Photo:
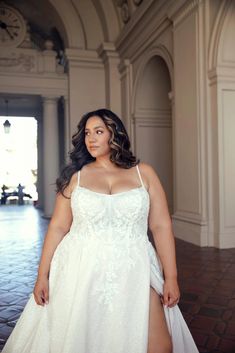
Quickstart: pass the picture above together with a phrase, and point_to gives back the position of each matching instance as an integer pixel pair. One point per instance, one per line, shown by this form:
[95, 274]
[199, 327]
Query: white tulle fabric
[100, 279]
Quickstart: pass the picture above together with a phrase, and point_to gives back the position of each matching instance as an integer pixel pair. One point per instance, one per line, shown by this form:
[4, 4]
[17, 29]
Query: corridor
[206, 278]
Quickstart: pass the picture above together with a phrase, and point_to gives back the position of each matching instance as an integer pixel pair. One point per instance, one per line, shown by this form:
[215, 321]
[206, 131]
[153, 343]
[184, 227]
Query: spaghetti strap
[140, 175]
[79, 172]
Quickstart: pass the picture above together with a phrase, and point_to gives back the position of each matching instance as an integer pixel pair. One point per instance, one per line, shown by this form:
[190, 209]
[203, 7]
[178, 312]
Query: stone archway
[153, 121]
[81, 68]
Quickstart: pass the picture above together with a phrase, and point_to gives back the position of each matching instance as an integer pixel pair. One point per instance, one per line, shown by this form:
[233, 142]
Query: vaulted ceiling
[70, 23]
[82, 24]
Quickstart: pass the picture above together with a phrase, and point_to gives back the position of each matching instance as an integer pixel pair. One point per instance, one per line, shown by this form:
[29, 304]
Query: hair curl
[119, 142]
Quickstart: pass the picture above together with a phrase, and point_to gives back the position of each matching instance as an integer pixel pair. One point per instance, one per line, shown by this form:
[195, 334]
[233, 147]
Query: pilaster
[50, 152]
[111, 61]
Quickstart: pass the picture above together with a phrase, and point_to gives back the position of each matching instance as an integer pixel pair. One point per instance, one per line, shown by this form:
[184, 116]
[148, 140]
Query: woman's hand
[171, 293]
[41, 291]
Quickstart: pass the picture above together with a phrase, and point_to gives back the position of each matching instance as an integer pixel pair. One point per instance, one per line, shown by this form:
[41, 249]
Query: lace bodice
[116, 217]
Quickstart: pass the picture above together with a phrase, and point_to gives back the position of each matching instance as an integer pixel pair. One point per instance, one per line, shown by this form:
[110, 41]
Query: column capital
[49, 98]
[107, 51]
[83, 58]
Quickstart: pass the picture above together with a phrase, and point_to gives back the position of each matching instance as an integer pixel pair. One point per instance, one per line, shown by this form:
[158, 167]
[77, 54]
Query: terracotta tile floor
[206, 278]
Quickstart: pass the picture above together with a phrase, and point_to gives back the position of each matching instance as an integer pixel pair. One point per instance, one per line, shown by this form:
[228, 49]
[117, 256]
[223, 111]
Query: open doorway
[18, 160]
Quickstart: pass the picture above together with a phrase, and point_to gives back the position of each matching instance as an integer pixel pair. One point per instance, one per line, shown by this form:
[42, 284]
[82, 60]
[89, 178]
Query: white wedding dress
[99, 283]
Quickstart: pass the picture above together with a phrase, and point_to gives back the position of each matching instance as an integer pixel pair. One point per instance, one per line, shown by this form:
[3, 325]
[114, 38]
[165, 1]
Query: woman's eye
[99, 131]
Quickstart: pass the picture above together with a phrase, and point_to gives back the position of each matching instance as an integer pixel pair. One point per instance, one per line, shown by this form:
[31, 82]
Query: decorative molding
[153, 118]
[20, 62]
[155, 123]
[152, 113]
[190, 231]
[216, 34]
[30, 61]
[222, 74]
[29, 83]
[148, 39]
[120, 2]
[108, 51]
[137, 2]
[125, 13]
[124, 10]
[136, 25]
[184, 11]
[83, 58]
[189, 217]
[49, 98]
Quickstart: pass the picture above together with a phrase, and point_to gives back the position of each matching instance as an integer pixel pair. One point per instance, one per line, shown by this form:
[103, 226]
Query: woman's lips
[93, 147]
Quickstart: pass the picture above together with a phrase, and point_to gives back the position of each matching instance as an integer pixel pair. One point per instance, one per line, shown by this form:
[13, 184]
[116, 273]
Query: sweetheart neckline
[116, 193]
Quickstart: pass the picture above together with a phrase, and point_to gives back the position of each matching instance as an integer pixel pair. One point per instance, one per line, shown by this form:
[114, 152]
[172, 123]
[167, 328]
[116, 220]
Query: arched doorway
[153, 122]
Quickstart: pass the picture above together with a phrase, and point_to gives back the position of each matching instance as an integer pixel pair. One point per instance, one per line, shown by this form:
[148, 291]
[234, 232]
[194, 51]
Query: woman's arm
[159, 222]
[59, 225]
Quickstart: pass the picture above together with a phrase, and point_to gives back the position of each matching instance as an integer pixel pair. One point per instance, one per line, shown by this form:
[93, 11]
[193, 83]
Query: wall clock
[12, 27]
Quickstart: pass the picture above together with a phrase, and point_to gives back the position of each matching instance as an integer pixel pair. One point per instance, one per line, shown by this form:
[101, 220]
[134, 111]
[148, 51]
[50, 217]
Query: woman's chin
[94, 153]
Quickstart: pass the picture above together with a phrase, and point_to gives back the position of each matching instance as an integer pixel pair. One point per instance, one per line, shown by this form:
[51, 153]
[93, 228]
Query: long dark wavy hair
[119, 142]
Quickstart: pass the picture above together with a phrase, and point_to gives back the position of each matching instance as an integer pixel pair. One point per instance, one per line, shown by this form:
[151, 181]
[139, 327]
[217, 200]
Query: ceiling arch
[109, 19]
[218, 30]
[72, 23]
[81, 24]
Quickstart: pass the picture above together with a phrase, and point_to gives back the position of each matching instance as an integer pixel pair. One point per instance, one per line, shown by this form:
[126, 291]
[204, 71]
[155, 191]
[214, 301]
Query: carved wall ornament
[120, 2]
[27, 62]
[20, 62]
[137, 2]
[125, 13]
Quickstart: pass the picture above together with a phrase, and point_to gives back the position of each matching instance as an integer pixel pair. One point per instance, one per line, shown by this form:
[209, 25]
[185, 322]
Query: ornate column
[40, 160]
[50, 152]
[67, 128]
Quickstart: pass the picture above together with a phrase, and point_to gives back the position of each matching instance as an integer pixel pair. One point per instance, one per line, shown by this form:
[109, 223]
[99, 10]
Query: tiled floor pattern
[206, 278]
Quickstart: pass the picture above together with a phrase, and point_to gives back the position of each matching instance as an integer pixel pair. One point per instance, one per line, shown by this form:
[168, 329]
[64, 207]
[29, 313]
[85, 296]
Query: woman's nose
[92, 137]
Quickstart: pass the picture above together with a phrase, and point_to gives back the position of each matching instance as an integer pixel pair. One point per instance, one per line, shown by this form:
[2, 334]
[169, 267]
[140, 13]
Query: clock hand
[13, 26]
[11, 36]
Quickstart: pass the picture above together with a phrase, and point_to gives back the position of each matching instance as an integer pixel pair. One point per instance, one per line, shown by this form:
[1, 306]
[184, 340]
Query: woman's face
[97, 136]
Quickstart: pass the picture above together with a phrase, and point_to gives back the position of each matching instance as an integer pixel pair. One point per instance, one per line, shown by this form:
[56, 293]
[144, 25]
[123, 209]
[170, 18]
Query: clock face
[12, 27]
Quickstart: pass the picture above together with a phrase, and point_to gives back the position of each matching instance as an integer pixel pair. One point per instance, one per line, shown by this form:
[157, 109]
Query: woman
[101, 287]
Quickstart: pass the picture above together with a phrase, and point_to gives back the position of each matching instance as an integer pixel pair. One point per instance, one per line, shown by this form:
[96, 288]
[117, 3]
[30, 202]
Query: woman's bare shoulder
[73, 180]
[147, 169]
[154, 183]
[71, 185]
[148, 174]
